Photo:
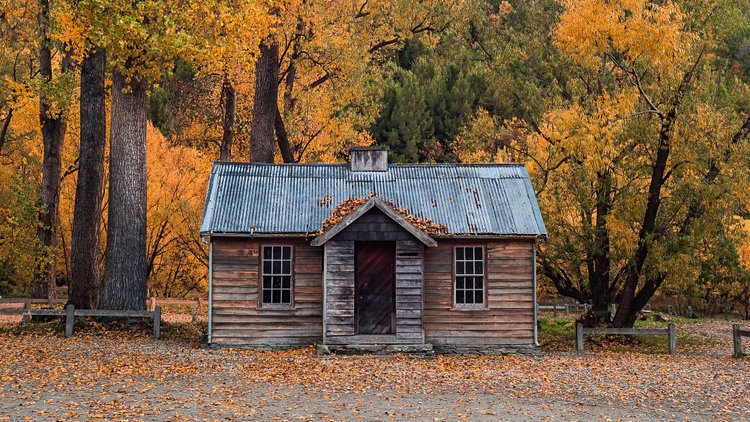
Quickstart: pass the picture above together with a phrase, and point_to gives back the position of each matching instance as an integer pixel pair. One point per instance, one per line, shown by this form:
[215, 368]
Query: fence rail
[70, 312]
[669, 331]
[737, 334]
[11, 305]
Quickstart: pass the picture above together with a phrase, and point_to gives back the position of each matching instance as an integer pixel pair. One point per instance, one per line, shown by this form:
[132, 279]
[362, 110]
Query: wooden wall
[339, 302]
[409, 273]
[508, 317]
[237, 317]
[424, 296]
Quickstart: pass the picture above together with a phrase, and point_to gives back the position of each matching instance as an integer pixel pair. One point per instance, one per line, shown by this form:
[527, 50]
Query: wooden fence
[669, 331]
[70, 312]
[10, 306]
[737, 334]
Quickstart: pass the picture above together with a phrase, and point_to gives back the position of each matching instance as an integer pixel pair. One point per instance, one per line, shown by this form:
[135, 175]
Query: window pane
[277, 267]
[286, 267]
[478, 296]
[266, 282]
[277, 282]
[266, 267]
[478, 254]
[479, 283]
[469, 297]
[285, 296]
[277, 252]
[266, 252]
[287, 252]
[469, 253]
[266, 296]
[459, 282]
[478, 267]
[286, 282]
[460, 296]
[460, 268]
[459, 253]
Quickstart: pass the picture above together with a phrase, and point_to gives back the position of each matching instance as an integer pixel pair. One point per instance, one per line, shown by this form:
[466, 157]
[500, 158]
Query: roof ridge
[237, 163]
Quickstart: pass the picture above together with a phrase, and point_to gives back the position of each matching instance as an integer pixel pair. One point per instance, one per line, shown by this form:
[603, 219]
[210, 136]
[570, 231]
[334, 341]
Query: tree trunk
[125, 261]
[265, 106]
[228, 98]
[84, 288]
[4, 128]
[598, 259]
[53, 133]
[283, 139]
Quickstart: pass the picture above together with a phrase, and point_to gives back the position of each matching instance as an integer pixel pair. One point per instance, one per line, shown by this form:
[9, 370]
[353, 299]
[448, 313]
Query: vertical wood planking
[339, 312]
[409, 291]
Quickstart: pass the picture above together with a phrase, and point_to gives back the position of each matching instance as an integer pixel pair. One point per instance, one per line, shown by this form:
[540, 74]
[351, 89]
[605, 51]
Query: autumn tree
[314, 74]
[84, 285]
[53, 108]
[630, 187]
[140, 39]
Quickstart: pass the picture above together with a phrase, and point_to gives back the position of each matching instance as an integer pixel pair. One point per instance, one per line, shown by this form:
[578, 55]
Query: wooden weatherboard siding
[237, 316]
[508, 315]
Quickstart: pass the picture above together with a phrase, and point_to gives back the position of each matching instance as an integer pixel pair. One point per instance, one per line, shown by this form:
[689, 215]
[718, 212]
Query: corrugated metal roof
[296, 198]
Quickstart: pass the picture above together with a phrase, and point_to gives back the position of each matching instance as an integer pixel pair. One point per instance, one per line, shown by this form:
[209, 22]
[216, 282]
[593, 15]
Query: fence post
[672, 339]
[737, 340]
[153, 303]
[70, 319]
[195, 313]
[579, 337]
[567, 309]
[690, 311]
[157, 322]
[26, 306]
[669, 310]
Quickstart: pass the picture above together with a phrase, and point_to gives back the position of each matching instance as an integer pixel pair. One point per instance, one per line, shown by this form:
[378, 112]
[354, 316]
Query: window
[277, 275]
[469, 275]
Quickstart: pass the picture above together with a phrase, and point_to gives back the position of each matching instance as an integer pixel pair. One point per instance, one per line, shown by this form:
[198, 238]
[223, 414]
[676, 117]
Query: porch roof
[371, 203]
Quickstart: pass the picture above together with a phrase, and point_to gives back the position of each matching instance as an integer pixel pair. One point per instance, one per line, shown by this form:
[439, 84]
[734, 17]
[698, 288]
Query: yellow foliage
[176, 180]
[640, 30]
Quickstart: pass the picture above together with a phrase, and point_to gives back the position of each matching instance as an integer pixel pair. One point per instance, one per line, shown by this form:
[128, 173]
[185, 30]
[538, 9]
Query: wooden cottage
[372, 255]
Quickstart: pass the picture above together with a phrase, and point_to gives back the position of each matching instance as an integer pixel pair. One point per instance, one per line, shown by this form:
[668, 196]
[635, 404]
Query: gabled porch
[373, 281]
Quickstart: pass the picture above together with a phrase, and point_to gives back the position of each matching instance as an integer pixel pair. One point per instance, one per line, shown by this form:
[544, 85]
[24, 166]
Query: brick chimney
[369, 158]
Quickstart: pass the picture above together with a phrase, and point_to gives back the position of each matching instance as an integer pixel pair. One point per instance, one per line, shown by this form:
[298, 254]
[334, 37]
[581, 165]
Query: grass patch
[559, 334]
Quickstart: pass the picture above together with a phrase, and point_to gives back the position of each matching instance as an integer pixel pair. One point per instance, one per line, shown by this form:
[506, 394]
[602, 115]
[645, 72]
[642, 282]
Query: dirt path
[44, 376]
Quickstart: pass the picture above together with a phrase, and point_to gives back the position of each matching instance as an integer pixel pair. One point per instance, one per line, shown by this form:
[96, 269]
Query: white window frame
[262, 271]
[483, 275]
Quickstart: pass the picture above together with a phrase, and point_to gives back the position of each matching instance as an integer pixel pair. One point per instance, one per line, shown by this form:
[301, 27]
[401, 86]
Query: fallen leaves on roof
[350, 205]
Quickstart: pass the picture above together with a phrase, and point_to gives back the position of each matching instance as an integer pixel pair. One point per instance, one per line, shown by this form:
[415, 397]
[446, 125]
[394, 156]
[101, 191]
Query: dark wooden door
[374, 266]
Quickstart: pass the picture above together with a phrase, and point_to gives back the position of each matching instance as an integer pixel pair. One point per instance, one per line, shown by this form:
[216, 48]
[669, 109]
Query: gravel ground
[127, 375]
